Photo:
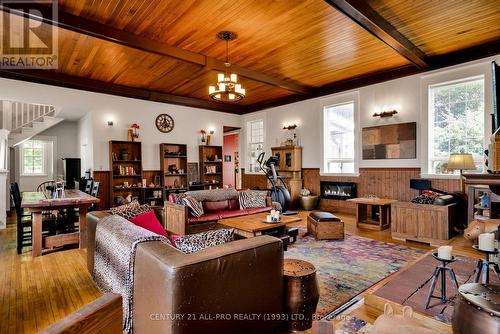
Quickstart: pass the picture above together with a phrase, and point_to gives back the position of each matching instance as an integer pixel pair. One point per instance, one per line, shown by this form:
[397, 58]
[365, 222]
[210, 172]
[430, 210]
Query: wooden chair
[88, 186]
[24, 220]
[103, 315]
[94, 192]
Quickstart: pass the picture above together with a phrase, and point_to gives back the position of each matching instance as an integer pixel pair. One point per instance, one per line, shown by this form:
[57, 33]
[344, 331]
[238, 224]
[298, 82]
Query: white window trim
[430, 137]
[49, 170]
[337, 100]
[248, 143]
[449, 76]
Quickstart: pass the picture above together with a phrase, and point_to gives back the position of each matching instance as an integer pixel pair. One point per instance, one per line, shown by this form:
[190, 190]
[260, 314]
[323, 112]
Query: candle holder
[441, 270]
[482, 270]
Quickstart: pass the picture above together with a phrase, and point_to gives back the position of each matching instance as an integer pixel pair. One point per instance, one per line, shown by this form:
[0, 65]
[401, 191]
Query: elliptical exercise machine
[279, 193]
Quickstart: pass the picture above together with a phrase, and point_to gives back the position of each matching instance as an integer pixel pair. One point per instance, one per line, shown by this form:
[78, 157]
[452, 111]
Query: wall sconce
[290, 127]
[383, 114]
[110, 123]
[212, 131]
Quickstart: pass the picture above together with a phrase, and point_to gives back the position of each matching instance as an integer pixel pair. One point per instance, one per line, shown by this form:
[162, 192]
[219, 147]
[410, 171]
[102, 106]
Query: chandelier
[227, 88]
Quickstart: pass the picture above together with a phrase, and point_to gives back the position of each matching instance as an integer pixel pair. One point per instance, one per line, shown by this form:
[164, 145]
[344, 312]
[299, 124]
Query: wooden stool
[301, 293]
[324, 225]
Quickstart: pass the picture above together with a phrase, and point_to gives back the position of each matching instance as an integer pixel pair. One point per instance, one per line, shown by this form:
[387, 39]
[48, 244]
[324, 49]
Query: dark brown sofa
[204, 292]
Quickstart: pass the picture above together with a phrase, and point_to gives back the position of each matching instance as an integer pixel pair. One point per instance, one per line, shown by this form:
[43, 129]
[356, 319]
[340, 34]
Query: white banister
[24, 114]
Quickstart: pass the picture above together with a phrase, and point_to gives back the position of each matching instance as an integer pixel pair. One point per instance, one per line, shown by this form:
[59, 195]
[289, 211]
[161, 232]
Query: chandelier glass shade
[227, 88]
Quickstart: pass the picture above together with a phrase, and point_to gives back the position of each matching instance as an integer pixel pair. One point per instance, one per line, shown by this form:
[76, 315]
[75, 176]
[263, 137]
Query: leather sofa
[229, 288]
[217, 204]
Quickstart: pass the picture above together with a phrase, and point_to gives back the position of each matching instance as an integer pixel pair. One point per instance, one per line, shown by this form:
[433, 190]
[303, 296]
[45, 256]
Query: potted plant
[307, 201]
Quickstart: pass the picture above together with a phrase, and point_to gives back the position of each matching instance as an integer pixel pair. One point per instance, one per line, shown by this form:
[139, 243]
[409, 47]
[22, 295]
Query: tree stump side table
[301, 293]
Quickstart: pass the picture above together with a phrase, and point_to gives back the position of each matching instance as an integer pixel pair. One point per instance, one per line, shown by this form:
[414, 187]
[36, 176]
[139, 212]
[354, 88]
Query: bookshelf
[125, 160]
[173, 168]
[211, 166]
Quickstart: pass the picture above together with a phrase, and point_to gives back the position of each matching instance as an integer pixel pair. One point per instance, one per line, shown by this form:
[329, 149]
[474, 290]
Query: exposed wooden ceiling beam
[94, 29]
[68, 81]
[361, 13]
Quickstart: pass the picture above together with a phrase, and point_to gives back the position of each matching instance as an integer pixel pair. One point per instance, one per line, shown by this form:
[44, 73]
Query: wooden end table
[363, 220]
[253, 225]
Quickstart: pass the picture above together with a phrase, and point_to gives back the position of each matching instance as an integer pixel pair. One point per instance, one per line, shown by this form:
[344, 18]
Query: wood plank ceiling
[286, 51]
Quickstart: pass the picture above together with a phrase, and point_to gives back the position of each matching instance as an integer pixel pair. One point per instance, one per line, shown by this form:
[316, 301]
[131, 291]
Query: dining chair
[24, 220]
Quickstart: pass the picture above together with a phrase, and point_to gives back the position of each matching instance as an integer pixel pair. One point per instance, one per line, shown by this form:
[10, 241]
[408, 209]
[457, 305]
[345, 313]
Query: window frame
[343, 99]
[250, 143]
[45, 158]
[430, 158]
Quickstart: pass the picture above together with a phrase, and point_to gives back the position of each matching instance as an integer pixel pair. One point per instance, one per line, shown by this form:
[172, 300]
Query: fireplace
[338, 190]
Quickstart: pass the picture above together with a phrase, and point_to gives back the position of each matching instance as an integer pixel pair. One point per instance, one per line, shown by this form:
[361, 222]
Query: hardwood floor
[36, 292]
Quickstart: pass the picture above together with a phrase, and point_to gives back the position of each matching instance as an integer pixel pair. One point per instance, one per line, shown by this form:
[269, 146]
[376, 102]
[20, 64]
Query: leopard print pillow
[117, 210]
[197, 242]
[134, 212]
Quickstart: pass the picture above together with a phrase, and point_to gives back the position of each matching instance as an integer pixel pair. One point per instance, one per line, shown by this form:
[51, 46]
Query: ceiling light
[227, 88]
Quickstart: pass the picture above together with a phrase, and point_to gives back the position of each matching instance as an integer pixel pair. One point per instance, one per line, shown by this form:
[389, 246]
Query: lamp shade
[462, 161]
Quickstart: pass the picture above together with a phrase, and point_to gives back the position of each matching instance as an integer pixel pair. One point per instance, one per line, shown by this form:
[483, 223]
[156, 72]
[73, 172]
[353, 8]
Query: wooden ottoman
[324, 225]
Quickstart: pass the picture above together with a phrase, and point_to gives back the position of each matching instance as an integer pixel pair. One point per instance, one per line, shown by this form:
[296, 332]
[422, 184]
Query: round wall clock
[164, 123]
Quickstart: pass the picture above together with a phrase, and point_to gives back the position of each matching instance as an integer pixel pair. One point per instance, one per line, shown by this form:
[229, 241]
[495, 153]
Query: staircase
[25, 120]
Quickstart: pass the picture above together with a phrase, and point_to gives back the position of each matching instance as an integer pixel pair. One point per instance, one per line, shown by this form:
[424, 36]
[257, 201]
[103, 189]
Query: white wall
[66, 145]
[409, 94]
[93, 132]
[124, 112]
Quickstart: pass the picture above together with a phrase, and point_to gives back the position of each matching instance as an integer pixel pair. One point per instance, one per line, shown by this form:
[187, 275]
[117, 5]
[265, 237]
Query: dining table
[37, 202]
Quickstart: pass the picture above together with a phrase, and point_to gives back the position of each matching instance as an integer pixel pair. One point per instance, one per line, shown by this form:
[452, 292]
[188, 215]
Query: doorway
[231, 157]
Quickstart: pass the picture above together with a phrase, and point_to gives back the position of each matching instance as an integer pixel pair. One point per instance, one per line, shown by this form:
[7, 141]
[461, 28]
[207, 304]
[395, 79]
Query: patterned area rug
[346, 268]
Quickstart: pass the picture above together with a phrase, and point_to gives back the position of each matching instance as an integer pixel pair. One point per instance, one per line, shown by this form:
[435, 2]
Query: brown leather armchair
[231, 288]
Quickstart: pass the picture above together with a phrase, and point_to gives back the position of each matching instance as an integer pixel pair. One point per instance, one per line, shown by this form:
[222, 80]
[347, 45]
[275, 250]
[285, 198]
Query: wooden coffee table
[253, 225]
[363, 219]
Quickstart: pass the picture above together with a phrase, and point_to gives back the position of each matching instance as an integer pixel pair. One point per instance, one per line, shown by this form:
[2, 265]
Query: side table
[301, 293]
[363, 220]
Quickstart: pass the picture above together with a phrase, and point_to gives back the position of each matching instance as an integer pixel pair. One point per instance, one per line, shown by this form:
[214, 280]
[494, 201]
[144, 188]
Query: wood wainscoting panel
[253, 181]
[393, 183]
[103, 176]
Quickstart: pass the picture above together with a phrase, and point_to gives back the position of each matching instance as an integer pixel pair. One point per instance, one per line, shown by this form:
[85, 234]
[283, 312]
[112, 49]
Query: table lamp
[461, 162]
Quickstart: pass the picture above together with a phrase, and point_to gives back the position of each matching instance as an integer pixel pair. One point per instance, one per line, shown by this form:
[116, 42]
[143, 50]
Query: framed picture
[227, 158]
[394, 141]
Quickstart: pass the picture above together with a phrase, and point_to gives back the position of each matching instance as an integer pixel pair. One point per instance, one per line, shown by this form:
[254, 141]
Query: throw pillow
[195, 207]
[134, 212]
[124, 207]
[252, 199]
[196, 242]
[149, 222]
[423, 199]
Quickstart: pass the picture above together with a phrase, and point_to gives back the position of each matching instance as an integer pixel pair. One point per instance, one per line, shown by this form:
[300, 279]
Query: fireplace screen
[338, 190]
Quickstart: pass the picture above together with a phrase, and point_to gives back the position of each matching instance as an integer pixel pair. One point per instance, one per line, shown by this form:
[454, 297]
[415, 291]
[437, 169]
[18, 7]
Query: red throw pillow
[149, 222]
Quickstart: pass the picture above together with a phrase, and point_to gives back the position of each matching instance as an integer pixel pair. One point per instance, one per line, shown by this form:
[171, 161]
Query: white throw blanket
[116, 242]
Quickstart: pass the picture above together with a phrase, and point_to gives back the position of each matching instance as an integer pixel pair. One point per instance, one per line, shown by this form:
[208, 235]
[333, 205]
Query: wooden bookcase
[125, 161]
[173, 168]
[211, 166]
[290, 166]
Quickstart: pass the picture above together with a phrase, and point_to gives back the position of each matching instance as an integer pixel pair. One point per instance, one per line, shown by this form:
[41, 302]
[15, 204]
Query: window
[33, 157]
[456, 123]
[339, 147]
[256, 143]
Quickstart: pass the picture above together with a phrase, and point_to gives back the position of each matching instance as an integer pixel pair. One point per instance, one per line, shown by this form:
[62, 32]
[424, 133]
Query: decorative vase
[130, 135]
[208, 139]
